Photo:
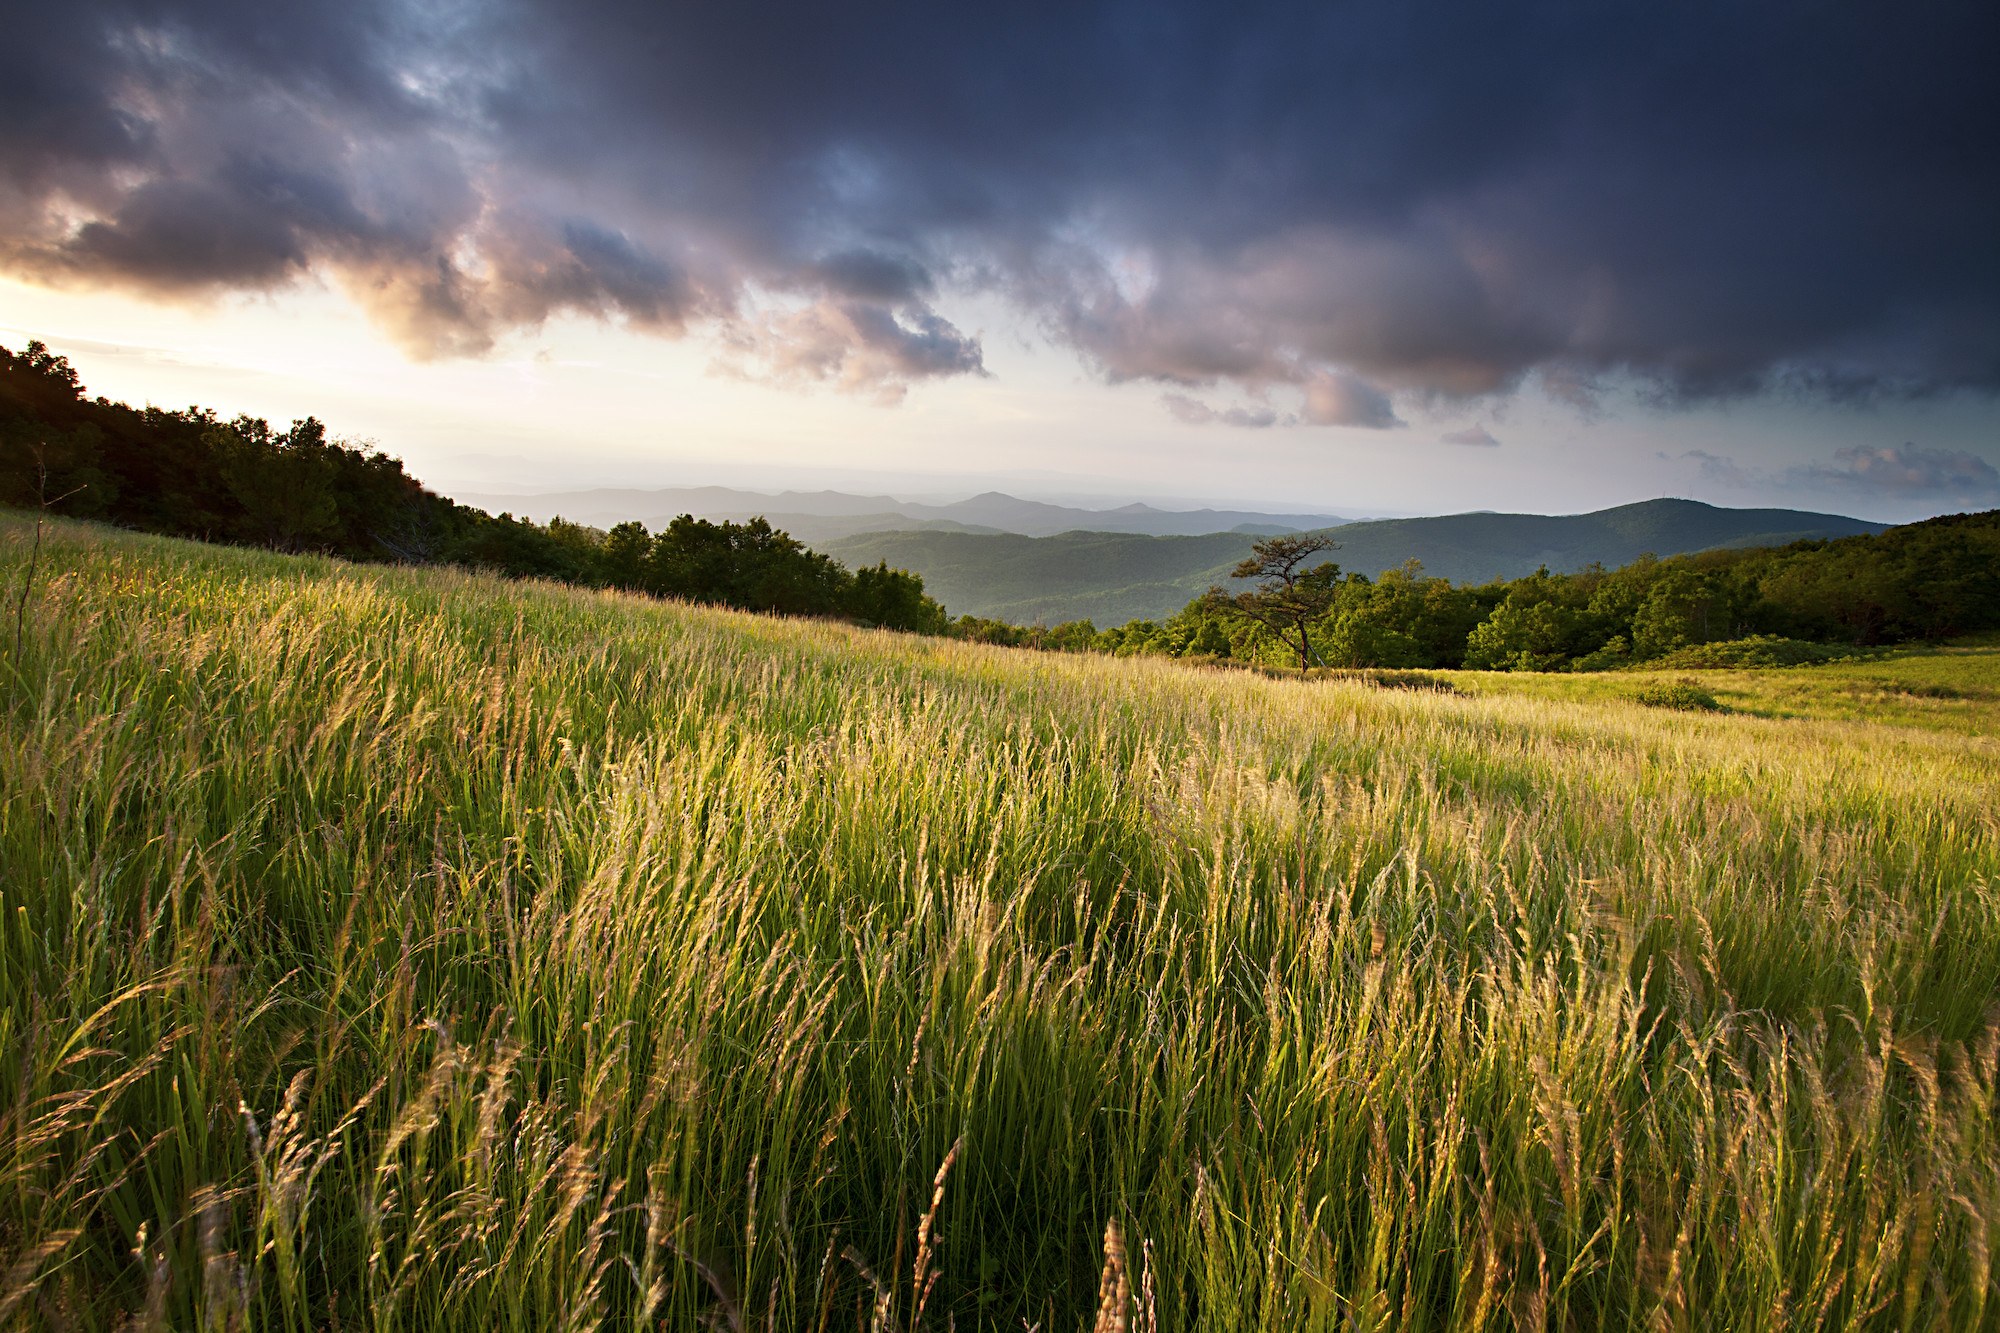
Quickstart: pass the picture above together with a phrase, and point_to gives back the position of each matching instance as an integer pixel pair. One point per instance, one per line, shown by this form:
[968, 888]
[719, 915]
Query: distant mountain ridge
[1115, 577]
[817, 517]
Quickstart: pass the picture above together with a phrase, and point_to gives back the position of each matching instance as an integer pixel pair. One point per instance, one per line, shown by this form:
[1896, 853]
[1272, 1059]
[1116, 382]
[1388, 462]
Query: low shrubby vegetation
[404, 948]
[1689, 695]
[1400, 680]
[1757, 650]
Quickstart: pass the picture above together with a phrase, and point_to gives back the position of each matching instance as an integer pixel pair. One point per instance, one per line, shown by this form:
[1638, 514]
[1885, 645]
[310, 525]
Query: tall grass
[401, 950]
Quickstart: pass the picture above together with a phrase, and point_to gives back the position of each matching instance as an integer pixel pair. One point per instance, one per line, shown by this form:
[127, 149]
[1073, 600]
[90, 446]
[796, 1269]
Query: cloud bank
[1335, 209]
[1893, 472]
[1908, 470]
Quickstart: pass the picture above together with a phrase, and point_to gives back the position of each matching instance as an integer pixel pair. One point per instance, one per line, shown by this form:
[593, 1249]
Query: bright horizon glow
[578, 404]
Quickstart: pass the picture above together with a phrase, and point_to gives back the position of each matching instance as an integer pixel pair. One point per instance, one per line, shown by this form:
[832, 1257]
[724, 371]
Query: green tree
[1534, 628]
[748, 565]
[281, 481]
[1071, 636]
[58, 463]
[623, 556]
[1291, 593]
[980, 629]
[1683, 607]
[1357, 638]
[893, 599]
[582, 544]
[38, 359]
[1197, 630]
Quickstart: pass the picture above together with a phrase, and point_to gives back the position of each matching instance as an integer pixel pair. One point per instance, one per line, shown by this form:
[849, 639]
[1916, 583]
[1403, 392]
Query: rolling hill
[817, 517]
[1114, 577]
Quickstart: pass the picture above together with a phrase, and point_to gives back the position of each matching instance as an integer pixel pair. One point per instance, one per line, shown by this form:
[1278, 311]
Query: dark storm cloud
[875, 277]
[1335, 208]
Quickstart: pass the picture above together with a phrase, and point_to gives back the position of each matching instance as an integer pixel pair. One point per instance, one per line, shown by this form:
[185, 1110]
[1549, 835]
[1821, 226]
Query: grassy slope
[572, 958]
[1953, 688]
[1115, 577]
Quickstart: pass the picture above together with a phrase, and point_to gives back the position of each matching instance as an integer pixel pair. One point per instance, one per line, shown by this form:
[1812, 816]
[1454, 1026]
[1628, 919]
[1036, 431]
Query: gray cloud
[1721, 468]
[874, 276]
[1358, 204]
[1197, 413]
[855, 346]
[1327, 398]
[1337, 398]
[1904, 471]
[1908, 470]
[1475, 434]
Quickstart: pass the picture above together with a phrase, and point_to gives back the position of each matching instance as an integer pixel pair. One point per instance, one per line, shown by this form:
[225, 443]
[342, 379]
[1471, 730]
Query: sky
[1396, 256]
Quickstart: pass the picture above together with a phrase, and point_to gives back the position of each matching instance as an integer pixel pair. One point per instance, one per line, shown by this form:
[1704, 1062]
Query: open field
[1952, 688]
[396, 949]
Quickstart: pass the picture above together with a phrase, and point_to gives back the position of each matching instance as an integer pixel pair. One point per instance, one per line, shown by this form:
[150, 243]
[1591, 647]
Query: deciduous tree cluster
[1923, 581]
[192, 474]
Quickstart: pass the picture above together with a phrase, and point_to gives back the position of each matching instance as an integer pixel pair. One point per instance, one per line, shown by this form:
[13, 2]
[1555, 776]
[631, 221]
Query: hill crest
[1112, 577]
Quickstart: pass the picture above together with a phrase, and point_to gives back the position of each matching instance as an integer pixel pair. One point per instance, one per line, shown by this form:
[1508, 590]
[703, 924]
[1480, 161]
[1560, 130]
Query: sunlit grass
[406, 949]
[1952, 688]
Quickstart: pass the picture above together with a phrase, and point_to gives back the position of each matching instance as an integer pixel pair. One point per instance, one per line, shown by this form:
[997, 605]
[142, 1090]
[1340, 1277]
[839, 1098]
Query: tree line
[193, 474]
[1750, 607]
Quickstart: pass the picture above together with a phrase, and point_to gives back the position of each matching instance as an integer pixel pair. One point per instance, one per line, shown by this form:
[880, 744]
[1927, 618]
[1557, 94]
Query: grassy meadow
[390, 949]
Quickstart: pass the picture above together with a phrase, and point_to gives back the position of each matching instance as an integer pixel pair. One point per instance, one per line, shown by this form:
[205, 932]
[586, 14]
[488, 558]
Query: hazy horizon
[1108, 501]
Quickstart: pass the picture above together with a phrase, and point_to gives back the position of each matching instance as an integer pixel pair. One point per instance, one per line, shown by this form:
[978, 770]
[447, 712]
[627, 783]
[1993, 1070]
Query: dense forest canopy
[191, 473]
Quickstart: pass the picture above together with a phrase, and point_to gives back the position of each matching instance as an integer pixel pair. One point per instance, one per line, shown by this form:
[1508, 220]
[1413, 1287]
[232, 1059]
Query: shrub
[1616, 653]
[1398, 680]
[1759, 650]
[1932, 691]
[1687, 694]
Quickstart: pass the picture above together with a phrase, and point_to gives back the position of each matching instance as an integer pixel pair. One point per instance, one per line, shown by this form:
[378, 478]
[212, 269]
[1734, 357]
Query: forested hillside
[192, 474]
[821, 516]
[1114, 577]
[1731, 606]
[1107, 577]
